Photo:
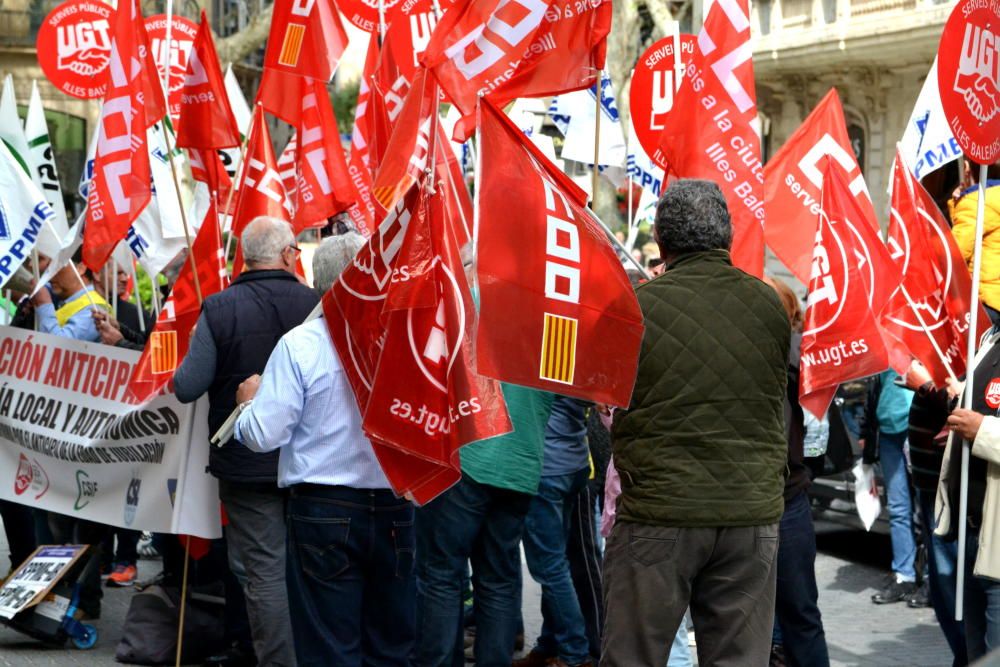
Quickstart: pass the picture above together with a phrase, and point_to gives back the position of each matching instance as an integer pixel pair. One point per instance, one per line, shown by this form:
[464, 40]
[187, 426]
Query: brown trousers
[652, 574]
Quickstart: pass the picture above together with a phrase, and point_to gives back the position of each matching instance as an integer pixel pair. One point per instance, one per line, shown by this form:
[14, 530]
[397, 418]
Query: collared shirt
[80, 325]
[305, 407]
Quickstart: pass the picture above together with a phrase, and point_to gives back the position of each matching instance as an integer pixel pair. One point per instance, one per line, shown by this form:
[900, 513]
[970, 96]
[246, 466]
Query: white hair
[264, 239]
[332, 256]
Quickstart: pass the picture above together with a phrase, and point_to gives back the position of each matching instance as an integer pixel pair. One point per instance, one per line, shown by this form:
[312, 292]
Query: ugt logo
[978, 75]
[84, 48]
[85, 490]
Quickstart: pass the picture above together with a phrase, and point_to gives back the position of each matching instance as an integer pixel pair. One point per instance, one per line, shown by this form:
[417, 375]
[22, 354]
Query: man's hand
[916, 376]
[107, 327]
[41, 297]
[955, 387]
[248, 389]
[965, 423]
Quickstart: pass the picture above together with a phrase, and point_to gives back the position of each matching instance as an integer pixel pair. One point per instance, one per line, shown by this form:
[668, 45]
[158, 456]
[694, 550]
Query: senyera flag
[841, 340]
[793, 184]
[397, 352]
[553, 292]
[133, 102]
[206, 119]
[516, 48]
[712, 131]
[306, 42]
[168, 343]
[934, 295]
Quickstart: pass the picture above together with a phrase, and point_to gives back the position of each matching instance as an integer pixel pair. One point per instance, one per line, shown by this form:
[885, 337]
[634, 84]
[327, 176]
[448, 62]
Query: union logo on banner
[74, 47]
[176, 53]
[993, 393]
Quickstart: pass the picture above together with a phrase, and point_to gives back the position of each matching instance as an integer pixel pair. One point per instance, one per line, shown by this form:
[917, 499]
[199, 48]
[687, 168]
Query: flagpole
[970, 365]
[597, 140]
[927, 331]
[34, 269]
[236, 182]
[184, 222]
[138, 298]
[381, 22]
[477, 183]
[184, 587]
[618, 244]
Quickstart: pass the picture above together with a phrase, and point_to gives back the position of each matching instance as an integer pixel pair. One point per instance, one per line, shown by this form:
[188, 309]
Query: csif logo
[86, 490]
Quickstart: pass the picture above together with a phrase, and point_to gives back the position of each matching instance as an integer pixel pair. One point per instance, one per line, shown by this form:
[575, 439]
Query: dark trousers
[652, 574]
[70, 530]
[483, 524]
[942, 561]
[19, 526]
[981, 604]
[796, 593]
[126, 552]
[585, 565]
[351, 587]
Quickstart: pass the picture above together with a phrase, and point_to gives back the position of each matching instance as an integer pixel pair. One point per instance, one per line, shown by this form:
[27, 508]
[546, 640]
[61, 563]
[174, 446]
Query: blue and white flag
[581, 107]
[24, 214]
[928, 143]
[642, 170]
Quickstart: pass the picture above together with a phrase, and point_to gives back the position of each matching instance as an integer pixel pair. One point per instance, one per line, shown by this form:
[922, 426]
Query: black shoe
[896, 591]
[920, 598]
[234, 657]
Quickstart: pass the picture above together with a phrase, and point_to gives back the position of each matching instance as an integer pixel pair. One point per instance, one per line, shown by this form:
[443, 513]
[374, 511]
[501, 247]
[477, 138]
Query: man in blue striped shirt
[351, 588]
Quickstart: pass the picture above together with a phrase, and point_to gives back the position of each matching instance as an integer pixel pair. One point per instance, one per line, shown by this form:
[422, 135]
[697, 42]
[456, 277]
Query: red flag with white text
[207, 167]
[133, 102]
[168, 342]
[553, 292]
[935, 287]
[306, 43]
[793, 184]
[712, 132]
[260, 191]
[841, 338]
[206, 119]
[516, 48]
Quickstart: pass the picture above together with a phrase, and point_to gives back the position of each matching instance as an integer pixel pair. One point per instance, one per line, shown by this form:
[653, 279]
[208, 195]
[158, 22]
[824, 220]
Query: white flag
[11, 130]
[43, 162]
[581, 106]
[24, 214]
[644, 172]
[164, 191]
[928, 143]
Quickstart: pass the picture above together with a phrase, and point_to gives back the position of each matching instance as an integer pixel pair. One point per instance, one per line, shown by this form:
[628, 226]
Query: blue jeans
[982, 605]
[680, 650]
[897, 491]
[796, 609]
[351, 588]
[483, 524]
[546, 531]
[941, 574]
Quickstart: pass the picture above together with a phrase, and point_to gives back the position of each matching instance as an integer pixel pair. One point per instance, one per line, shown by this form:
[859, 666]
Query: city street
[850, 567]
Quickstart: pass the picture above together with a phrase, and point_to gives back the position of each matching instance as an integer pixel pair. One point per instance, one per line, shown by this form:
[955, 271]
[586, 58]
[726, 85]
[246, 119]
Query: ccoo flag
[552, 290]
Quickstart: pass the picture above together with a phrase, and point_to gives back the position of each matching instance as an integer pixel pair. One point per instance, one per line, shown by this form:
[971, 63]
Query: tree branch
[241, 44]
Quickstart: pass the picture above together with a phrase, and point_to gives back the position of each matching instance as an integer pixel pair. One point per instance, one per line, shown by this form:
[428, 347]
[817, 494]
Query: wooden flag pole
[970, 366]
[184, 588]
[236, 182]
[184, 222]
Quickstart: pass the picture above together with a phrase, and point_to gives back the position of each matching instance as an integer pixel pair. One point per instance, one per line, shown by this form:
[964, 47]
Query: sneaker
[920, 598]
[533, 659]
[896, 591]
[122, 576]
[145, 548]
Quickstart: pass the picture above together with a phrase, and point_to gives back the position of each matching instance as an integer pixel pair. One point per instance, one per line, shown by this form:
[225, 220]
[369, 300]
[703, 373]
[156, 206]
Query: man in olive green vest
[701, 451]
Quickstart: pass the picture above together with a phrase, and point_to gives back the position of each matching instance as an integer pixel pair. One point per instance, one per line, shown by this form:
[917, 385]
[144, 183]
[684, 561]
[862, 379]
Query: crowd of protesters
[703, 482]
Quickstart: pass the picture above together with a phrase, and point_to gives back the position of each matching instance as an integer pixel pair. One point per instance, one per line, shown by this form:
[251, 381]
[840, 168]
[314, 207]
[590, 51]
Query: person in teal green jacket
[481, 520]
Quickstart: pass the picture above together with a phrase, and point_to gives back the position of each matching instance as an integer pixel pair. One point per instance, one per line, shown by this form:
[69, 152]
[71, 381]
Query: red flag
[207, 167]
[169, 340]
[409, 148]
[260, 190]
[133, 102]
[516, 48]
[793, 184]
[713, 131]
[935, 278]
[306, 43]
[206, 119]
[286, 170]
[841, 340]
[358, 164]
[323, 185]
[451, 180]
[553, 291]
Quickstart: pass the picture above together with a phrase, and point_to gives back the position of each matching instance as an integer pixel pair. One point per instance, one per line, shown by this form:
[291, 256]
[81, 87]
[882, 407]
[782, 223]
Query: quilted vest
[247, 319]
[703, 442]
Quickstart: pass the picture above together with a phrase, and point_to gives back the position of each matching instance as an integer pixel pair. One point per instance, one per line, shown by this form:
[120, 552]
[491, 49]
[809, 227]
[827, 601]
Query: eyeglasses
[297, 250]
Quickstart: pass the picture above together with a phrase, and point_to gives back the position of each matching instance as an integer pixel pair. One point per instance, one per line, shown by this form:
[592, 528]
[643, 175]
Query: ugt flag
[553, 292]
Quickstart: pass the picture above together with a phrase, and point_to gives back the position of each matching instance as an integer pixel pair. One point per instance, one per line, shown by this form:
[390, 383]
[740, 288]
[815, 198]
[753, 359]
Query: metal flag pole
[970, 373]
[138, 298]
[477, 186]
[597, 140]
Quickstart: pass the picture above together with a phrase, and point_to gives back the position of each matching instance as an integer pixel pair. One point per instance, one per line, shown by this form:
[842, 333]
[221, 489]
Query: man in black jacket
[235, 335]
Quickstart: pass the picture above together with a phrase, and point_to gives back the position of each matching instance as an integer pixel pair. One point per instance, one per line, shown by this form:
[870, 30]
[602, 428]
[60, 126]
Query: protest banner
[36, 577]
[74, 47]
[72, 443]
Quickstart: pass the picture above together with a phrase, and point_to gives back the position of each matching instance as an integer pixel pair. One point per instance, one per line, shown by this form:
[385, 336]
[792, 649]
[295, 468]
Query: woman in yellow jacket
[962, 209]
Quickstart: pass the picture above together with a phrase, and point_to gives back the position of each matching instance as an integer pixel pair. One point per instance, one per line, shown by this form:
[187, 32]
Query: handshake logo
[84, 48]
[978, 76]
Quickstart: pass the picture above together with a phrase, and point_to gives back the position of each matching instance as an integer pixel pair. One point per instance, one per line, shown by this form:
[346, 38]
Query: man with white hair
[236, 333]
[351, 585]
